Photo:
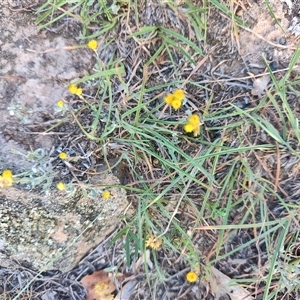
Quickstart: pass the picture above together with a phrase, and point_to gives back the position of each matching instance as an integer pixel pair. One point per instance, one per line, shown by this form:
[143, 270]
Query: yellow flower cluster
[93, 44]
[191, 276]
[154, 242]
[193, 125]
[74, 90]
[175, 99]
[6, 179]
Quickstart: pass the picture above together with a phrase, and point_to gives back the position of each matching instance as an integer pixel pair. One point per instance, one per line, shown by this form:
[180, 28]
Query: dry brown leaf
[220, 286]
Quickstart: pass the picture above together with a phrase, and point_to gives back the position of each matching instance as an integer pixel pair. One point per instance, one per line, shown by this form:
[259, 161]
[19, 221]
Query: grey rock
[54, 231]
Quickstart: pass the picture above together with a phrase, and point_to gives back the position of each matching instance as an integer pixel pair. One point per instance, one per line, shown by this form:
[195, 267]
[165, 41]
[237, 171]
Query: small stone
[269, 56]
[274, 65]
[282, 41]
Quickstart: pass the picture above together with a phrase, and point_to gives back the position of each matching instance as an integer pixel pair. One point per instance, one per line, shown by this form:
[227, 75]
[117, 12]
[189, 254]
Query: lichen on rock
[54, 231]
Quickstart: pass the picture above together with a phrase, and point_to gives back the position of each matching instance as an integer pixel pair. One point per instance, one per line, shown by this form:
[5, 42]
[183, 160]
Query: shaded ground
[36, 67]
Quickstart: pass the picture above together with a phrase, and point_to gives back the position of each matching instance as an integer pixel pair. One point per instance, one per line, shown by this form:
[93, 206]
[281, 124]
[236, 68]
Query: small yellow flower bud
[63, 155]
[106, 195]
[169, 98]
[176, 104]
[188, 128]
[79, 91]
[61, 186]
[60, 103]
[6, 179]
[72, 88]
[93, 44]
[179, 94]
[191, 276]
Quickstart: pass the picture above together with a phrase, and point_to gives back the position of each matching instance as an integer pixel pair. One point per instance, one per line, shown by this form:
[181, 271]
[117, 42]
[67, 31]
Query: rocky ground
[36, 67]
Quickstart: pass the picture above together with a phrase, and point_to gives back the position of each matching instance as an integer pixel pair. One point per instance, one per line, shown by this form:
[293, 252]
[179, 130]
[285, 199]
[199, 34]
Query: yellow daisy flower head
[7, 173]
[194, 119]
[60, 103]
[6, 179]
[63, 155]
[61, 186]
[169, 98]
[61, 106]
[106, 195]
[93, 44]
[188, 128]
[193, 125]
[179, 95]
[154, 242]
[74, 90]
[191, 276]
[176, 104]
[79, 91]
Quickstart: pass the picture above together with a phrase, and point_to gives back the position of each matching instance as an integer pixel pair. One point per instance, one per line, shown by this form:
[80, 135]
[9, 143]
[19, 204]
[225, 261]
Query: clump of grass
[89, 14]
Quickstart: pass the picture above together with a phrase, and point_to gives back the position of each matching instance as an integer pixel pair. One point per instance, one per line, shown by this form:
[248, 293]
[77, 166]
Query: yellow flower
[193, 125]
[79, 91]
[191, 276]
[6, 179]
[61, 186]
[175, 99]
[73, 89]
[188, 127]
[106, 195]
[194, 119]
[93, 44]
[101, 289]
[169, 98]
[63, 155]
[179, 95]
[60, 103]
[176, 104]
[154, 242]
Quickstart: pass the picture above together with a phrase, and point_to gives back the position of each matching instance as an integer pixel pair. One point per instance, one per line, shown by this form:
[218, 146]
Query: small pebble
[269, 56]
[282, 41]
[273, 65]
